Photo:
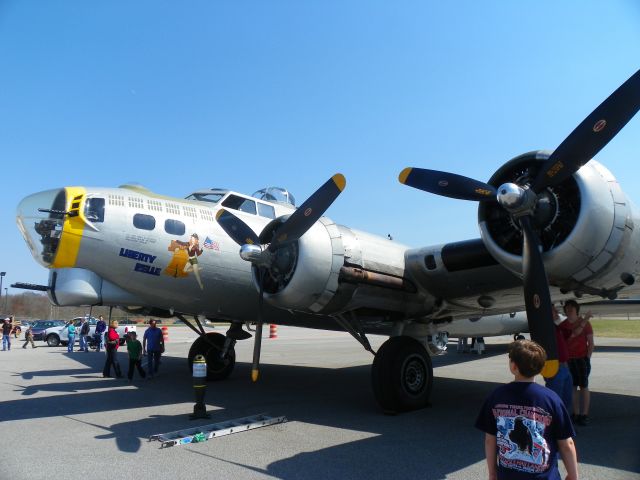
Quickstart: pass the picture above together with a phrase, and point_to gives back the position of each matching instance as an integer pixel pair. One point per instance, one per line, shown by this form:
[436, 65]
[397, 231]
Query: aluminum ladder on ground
[207, 432]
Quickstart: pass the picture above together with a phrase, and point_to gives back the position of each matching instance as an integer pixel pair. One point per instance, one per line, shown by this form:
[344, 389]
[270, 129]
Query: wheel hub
[414, 375]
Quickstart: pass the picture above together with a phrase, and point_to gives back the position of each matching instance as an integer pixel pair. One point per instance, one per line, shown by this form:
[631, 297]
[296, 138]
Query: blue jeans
[83, 343]
[153, 362]
[562, 384]
[72, 341]
[6, 342]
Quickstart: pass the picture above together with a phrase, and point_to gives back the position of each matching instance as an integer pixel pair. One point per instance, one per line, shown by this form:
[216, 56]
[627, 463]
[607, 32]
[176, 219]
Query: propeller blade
[537, 298]
[447, 184]
[591, 135]
[239, 231]
[257, 339]
[309, 212]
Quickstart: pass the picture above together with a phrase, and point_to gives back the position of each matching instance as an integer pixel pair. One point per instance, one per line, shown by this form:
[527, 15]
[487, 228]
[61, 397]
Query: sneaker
[583, 420]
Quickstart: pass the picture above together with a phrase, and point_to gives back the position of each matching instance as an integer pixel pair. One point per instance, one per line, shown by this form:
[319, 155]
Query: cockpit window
[265, 210]
[206, 197]
[94, 209]
[239, 203]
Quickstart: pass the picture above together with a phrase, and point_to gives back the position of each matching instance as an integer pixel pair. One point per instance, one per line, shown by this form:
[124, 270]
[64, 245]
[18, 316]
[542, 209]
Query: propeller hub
[511, 196]
[251, 253]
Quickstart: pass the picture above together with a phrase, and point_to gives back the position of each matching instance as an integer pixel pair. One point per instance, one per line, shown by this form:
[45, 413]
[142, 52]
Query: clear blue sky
[183, 95]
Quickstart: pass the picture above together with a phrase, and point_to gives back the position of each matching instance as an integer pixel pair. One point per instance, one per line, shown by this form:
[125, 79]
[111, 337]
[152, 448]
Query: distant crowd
[103, 338]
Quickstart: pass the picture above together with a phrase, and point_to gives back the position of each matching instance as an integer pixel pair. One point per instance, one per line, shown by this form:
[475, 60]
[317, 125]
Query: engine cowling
[304, 274]
[585, 225]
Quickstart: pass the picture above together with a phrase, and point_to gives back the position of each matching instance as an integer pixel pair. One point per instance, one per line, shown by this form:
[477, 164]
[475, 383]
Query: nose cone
[42, 229]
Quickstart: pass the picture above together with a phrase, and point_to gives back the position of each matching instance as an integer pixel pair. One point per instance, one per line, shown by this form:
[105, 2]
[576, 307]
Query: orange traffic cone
[165, 334]
[273, 331]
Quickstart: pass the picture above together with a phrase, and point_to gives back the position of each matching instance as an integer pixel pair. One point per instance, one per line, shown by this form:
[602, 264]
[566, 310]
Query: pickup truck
[55, 336]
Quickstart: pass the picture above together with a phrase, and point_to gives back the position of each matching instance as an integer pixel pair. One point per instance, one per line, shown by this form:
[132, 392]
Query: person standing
[113, 342]
[152, 346]
[134, 348]
[526, 425]
[84, 334]
[562, 382]
[7, 328]
[98, 334]
[28, 337]
[71, 334]
[16, 328]
[580, 344]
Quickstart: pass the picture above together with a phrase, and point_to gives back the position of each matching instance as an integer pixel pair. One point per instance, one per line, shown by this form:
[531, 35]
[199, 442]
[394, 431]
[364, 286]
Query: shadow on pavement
[339, 398]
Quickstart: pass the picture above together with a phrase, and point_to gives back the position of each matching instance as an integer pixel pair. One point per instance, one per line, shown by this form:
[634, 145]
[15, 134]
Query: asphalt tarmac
[60, 419]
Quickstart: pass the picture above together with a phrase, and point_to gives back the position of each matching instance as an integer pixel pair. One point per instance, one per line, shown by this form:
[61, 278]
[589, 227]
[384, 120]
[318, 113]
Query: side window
[144, 222]
[94, 210]
[265, 210]
[174, 227]
[239, 203]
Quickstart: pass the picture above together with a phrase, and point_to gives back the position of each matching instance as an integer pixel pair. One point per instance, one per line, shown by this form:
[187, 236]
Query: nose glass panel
[40, 218]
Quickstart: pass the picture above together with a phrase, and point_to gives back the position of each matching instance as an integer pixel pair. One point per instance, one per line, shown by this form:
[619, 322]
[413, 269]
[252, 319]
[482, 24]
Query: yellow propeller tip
[254, 375]
[550, 368]
[340, 181]
[404, 174]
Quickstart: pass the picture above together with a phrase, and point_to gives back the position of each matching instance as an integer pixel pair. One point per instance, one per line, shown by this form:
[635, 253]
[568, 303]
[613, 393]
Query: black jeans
[133, 363]
[112, 359]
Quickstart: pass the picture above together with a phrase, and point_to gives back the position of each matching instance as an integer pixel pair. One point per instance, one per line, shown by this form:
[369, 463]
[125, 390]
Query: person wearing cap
[152, 346]
[113, 342]
[7, 328]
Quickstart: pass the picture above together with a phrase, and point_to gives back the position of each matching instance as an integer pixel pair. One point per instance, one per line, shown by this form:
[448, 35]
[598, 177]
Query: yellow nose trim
[72, 229]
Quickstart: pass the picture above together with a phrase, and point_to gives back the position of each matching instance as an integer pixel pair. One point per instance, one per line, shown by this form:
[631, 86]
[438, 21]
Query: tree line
[36, 306]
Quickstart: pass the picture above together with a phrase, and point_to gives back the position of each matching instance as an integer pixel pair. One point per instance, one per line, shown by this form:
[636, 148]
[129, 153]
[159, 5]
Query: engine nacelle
[304, 274]
[585, 224]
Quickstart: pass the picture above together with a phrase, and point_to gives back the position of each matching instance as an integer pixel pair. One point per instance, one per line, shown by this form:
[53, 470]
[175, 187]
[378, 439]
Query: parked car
[39, 326]
[55, 336]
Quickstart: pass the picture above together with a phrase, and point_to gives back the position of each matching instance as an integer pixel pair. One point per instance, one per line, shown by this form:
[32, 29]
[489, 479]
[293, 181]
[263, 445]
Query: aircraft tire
[216, 369]
[402, 375]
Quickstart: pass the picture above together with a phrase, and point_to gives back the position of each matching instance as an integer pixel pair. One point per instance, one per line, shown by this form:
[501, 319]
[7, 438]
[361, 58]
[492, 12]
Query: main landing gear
[402, 375]
[220, 360]
[217, 349]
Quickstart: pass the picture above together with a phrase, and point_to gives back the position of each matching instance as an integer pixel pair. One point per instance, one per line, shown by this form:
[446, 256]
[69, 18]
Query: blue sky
[183, 95]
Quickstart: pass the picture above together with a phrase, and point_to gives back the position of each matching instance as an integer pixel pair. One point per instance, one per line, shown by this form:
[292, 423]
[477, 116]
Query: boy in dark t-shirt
[526, 424]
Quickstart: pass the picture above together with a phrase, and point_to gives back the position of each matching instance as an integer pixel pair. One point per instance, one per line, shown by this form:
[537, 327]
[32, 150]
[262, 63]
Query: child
[134, 347]
[526, 424]
[28, 337]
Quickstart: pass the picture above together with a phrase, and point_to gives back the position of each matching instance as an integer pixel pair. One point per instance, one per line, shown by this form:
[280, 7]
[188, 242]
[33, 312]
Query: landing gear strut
[402, 375]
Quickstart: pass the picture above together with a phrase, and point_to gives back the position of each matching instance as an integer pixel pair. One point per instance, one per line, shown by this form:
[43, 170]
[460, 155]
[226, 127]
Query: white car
[55, 336]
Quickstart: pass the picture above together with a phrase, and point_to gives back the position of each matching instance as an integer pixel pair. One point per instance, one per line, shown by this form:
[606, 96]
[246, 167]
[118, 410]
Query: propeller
[520, 201]
[447, 184]
[591, 135]
[263, 256]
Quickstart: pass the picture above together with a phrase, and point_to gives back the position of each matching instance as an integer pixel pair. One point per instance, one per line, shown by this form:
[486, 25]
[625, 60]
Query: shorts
[580, 369]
